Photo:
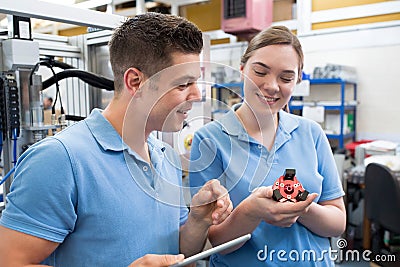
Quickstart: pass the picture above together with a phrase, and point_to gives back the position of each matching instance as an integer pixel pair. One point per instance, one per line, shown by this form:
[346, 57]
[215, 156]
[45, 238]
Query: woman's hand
[261, 206]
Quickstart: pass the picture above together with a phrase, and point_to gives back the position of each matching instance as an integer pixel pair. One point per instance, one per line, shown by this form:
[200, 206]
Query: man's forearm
[192, 237]
[237, 224]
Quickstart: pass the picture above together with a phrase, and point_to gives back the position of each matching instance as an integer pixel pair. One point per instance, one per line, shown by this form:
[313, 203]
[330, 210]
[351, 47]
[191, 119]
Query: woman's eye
[259, 72]
[287, 79]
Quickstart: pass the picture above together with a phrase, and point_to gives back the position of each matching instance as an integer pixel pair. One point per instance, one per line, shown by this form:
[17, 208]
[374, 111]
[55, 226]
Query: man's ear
[133, 79]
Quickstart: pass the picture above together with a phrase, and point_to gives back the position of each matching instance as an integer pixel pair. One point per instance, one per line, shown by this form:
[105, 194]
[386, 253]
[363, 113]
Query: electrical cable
[74, 118]
[7, 175]
[58, 94]
[69, 72]
[32, 72]
[60, 65]
[86, 76]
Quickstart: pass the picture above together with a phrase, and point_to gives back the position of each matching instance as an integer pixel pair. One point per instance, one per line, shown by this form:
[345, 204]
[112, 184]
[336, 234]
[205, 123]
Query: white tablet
[213, 250]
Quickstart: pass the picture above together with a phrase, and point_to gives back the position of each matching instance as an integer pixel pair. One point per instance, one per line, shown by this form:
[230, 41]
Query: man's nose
[195, 93]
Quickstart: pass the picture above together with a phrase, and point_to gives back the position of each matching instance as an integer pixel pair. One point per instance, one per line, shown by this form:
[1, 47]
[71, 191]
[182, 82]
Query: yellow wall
[73, 31]
[357, 21]
[207, 15]
[318, 5]
[330, 4]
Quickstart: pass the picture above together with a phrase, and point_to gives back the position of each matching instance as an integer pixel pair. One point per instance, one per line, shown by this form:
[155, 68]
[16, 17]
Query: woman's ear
[133, 78]
[241, 71]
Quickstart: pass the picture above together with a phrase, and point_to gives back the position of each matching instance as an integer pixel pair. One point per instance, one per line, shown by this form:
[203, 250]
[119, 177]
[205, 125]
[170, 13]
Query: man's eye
[185, 85]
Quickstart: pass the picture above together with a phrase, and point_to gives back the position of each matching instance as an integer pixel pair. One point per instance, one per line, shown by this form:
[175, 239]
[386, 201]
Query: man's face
[172, 91]
[46, 103]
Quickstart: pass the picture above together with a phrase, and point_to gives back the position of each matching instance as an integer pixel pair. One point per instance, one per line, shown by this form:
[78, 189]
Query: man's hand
[211, 204]
[152, 260]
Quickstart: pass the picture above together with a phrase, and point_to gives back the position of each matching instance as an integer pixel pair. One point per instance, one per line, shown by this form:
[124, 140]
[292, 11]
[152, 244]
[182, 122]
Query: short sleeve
[42, 196]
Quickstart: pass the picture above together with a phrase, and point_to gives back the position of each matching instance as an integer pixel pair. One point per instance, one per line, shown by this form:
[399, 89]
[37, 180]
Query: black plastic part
[289, 174]
[277, 195]
[302, 196]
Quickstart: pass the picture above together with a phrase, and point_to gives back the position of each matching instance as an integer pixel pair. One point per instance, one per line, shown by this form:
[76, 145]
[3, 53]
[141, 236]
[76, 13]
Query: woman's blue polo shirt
[223, 149]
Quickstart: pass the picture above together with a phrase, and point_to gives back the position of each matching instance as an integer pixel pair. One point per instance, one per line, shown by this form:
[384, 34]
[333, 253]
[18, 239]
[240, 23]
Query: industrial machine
[23, 79]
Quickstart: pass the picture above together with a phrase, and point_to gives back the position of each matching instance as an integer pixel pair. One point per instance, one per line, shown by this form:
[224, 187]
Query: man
[105, 192]
[47, 102]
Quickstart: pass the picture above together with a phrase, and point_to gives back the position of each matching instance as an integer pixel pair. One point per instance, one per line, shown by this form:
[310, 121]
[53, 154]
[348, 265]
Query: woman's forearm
[326, 219]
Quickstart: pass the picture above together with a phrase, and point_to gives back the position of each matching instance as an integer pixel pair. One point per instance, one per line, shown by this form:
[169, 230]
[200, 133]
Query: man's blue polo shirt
[223, 149]
[85, 189]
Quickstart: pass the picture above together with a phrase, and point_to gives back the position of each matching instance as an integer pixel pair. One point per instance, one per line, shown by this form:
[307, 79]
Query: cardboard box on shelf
[282, 10]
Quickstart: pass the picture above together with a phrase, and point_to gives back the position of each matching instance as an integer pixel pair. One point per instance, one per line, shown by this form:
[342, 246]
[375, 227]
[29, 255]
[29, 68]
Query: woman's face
[274, 72]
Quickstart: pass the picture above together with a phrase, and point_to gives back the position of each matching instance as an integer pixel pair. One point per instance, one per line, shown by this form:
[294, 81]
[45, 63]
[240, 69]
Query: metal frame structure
[76, 103]
[73, 50]
[60, 13]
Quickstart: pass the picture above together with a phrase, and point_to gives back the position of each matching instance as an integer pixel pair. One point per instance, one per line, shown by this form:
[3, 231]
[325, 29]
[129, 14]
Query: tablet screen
[213, 250]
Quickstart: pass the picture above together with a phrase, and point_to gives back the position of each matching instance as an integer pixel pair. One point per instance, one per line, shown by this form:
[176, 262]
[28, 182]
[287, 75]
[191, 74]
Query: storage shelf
[228, 85]
[300, 107]
[218, 90]
[330, 81]
[343, 108]
[338, 136]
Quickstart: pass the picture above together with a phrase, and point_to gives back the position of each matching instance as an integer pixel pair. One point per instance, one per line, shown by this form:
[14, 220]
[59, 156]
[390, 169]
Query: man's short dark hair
[146, 42]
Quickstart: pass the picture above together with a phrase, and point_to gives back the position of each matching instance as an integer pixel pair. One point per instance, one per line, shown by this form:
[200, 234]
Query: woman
[252, 145]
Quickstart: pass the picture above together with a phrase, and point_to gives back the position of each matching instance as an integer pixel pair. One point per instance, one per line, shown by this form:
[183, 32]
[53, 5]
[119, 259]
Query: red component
[352, 146]
[288, 188]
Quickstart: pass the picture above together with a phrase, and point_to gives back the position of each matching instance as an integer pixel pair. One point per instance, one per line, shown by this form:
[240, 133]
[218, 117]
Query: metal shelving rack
[218, 96]
[342, 108]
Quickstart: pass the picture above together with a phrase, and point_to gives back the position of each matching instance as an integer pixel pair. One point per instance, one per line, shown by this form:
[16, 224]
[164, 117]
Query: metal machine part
[21, 111]
[22, 115]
